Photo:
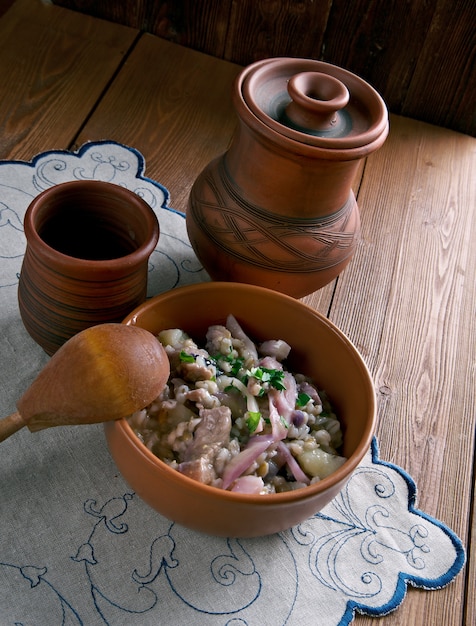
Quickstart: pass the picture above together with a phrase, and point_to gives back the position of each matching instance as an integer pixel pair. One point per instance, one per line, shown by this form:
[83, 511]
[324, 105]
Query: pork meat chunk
[210, 436]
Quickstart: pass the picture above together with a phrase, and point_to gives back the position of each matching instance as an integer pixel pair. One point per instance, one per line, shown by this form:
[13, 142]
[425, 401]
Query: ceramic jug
[277, 209]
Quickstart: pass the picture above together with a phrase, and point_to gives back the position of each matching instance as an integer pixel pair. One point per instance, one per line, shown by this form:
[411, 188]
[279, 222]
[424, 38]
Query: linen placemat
[78, 547]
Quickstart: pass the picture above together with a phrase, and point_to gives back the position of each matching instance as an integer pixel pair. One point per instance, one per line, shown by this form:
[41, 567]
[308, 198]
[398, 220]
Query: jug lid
[314, 103]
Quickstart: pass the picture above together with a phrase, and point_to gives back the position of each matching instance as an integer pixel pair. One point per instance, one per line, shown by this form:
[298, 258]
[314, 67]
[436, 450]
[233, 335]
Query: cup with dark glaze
[86, 259]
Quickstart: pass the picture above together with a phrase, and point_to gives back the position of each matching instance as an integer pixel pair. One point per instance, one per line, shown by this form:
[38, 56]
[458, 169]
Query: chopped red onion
[292, 464]
[241, 462]
[278, 427]
[311, 391]
[285, 401]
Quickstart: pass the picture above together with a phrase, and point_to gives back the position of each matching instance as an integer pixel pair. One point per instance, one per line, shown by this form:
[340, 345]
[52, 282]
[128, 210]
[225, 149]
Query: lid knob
[316, 99]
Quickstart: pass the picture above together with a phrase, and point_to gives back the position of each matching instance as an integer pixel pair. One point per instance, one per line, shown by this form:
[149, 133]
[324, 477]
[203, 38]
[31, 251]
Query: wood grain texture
[380, 41]
[204, 23]
[406, 303]
[321, 300]
[407, 299]
[178, 125]
[419, 55]
[63, 62]
[445, 71]
[269, 28]
[470, 604]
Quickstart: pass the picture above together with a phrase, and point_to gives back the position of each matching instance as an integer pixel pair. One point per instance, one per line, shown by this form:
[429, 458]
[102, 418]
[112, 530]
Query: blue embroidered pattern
[141, 569]
[119, 563]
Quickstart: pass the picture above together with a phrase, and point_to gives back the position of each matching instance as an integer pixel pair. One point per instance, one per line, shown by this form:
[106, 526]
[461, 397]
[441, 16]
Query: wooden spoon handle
[9, 425]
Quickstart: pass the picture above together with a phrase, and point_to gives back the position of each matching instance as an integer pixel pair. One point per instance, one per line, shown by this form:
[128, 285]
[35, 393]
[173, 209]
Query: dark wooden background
[419, 54]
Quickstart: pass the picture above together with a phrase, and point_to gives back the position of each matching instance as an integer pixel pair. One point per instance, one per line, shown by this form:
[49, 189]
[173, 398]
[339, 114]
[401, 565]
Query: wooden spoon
[103, 373]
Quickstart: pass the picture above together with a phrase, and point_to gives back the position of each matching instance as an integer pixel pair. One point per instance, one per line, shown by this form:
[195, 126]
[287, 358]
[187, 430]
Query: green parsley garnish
[283, 422]
[253, 420]
[235, 362]
[265, 375]
[302, 399]
[236, 366]
[186, 358]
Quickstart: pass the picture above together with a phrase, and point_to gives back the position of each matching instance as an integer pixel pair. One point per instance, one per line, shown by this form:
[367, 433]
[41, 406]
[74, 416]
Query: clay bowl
[319, 349]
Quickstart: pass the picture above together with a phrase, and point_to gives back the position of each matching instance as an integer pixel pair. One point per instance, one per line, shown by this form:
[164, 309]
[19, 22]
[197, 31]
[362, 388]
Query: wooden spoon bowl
[103, 373]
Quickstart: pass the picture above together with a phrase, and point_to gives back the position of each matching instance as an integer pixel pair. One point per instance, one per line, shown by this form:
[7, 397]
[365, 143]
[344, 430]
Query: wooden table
[407, 300]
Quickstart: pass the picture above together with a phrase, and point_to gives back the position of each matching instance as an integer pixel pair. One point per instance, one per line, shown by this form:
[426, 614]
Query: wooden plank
[408, 304]
[63, 61]
[321, 300]
[380, 42]
[179, 125]
[259, 30]
[445, 70]
[470, 605]
[201, 25]
[420, 57]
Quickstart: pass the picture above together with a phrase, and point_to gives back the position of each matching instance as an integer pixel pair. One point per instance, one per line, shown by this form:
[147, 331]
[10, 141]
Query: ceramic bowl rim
[141, 253]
